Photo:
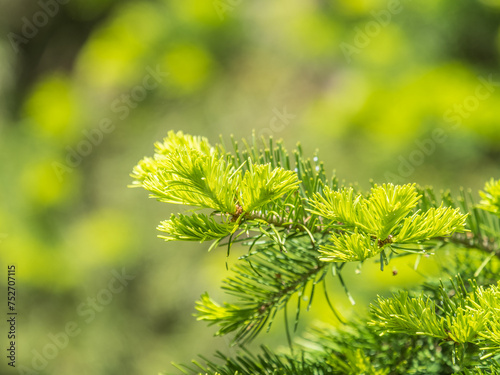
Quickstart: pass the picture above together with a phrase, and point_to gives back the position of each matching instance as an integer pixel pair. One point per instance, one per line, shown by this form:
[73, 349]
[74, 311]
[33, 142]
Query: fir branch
[263, 285]
[267, 362]
[349, 248]
[337, 206]
[494, 368]
[262, 184]
[463, 318]
[484, 227]
[491, 197]
[434, 223]
[386, 207]
[187, 170]
[412, 316]
[197, 227]
[191, 178]
[379, 220]
[392, 353]
[174, 141]
[288, 210]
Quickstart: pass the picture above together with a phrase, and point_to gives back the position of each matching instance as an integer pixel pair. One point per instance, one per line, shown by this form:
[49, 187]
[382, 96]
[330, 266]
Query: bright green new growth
[187, 170]
[491, 197]
[379, 220]
[467, 317]
[261, 184]
[194, 228]
[301, 228]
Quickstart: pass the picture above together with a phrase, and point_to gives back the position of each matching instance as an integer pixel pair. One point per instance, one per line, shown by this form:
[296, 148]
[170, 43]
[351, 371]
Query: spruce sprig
[491, 197]
[462, 318]
[365, 226]
[301, 227]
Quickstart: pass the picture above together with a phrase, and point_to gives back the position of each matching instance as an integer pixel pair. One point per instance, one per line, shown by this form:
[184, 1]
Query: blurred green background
[398, 91]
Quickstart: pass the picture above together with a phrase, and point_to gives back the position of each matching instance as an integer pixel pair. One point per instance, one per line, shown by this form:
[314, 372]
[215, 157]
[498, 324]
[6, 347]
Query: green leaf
[349, 248]
[191, 178]
[459, 316]
[339, 206]
[173, 142]
[491, 197]
[412, 316]
[379, 215]
[387, 206]
[436, 222]
[232, 316]
[179, 140]
[262, 184]
[197, 227]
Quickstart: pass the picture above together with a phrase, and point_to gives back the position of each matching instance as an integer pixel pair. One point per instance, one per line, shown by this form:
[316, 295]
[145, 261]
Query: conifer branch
[262, 285]
[299, 225]
[491, 197]
[463, 318]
